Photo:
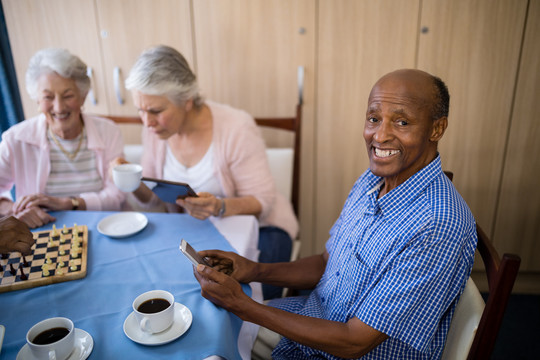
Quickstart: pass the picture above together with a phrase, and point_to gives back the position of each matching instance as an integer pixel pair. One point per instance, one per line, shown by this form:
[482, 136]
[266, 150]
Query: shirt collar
[37, 135]
[393, 202]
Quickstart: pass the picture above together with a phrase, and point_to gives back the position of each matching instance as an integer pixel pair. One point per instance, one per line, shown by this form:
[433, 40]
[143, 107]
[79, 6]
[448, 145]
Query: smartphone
[191, 254]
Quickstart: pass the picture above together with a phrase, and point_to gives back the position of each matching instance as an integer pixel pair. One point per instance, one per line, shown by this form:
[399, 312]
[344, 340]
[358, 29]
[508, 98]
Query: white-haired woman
[58, 160]
[215, 148]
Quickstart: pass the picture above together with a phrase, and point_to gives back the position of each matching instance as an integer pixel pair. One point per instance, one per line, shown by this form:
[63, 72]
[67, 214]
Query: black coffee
[51, 335]
[153, 306]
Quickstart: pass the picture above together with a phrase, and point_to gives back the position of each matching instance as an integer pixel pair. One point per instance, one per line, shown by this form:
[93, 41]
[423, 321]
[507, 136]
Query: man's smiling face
[400, 134]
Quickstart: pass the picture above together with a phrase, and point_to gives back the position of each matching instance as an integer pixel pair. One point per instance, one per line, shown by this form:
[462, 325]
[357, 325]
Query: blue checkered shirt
[398, 263]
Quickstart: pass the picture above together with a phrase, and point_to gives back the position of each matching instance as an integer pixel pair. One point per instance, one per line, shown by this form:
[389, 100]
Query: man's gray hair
[163, 71]
[60, 61]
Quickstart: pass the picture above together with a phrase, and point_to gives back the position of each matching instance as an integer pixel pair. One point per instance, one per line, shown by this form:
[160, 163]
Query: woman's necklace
[69, 155]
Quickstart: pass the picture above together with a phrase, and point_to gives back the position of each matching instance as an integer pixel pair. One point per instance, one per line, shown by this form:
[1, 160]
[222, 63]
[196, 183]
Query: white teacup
[47, 341]
[127, 177]
[154, 316]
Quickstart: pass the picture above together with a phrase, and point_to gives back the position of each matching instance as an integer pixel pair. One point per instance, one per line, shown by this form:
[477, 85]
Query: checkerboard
[58, 255]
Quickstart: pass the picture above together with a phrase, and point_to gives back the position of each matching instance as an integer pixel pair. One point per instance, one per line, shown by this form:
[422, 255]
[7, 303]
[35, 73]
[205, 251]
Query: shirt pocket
[374, 249]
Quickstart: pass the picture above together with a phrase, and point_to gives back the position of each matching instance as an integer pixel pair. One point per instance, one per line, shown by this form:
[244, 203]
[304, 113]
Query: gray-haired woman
[215, 148]
[58, 160]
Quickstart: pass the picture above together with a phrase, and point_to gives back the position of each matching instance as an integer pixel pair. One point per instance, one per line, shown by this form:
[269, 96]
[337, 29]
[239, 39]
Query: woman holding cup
[58, 160]
[216, 149]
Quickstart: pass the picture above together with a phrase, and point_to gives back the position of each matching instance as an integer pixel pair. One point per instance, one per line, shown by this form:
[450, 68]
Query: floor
[519, 337]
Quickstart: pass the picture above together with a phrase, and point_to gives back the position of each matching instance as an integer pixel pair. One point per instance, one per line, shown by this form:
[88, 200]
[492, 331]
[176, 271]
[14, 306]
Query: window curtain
[11, 111]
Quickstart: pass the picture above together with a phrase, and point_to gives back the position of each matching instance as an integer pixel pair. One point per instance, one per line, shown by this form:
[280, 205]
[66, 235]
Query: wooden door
[359, 41]
[126, 28]
[474, 47]
[247, 55]
[33, 25]
[517, 226]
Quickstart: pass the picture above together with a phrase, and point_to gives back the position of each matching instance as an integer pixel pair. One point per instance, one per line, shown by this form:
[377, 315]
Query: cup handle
[145, 326]
[52, 355]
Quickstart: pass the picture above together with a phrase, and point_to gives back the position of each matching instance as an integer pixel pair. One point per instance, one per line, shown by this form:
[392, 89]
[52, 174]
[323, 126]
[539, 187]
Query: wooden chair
[286, 173]
[293, 124]
[285, 163]
[475, 324]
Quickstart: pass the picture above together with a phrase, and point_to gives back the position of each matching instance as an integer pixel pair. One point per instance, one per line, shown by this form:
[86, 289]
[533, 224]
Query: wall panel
[359, 41]
[517, 227]
[474, 47]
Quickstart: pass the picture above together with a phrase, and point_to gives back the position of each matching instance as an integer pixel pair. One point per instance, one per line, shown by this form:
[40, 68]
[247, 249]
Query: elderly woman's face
[60, 100]
[159, 114]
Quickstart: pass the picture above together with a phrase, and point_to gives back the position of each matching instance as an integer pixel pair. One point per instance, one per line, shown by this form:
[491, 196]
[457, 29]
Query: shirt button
[322, 299]
[337, 273]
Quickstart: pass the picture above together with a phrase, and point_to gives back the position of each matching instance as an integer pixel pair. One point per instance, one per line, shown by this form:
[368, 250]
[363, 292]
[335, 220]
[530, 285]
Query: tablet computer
[169, 191]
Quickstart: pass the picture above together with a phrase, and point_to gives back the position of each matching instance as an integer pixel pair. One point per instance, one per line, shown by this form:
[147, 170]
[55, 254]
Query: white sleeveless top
[201, 176]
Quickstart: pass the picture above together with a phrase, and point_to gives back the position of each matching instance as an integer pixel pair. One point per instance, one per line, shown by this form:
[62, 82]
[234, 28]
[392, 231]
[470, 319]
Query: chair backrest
[132, 152]
[501, 274]
[474, 338]
[285, 162]
[464, 323]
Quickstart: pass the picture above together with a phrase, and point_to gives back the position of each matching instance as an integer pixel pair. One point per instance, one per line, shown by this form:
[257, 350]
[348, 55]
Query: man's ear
[439, 127]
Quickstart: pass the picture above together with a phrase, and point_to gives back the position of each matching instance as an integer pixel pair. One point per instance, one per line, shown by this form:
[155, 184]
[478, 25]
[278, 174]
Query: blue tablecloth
[118, 270]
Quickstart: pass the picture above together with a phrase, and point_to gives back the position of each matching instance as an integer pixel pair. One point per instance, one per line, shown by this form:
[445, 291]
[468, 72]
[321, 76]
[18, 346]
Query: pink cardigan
[241, 164]
[25, 161]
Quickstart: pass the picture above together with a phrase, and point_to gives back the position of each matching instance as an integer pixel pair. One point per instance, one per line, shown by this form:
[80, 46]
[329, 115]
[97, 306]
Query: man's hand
[220, 288]
[352, 339]
[230, 263]
[15, 236]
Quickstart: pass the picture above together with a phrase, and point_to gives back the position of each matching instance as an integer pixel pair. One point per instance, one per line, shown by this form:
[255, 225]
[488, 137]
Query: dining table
[122, 266]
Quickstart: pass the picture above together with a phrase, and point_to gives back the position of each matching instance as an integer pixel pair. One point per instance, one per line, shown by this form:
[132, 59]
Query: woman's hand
[115, 162]
[201, 207]
[42, 201]
[34, 217]
[232, 264]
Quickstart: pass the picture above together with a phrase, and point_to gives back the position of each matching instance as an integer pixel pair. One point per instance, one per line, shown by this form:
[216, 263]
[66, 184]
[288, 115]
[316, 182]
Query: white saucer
[182, 322]
[122, 224]
[83, 347]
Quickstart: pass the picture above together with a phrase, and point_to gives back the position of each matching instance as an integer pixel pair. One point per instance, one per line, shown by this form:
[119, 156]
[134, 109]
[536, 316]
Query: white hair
[61, 62]
[163, 71]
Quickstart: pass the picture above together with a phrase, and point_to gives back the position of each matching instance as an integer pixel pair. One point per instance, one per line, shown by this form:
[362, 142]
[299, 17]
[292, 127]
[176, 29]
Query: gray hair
[163, 71]
[61, 62]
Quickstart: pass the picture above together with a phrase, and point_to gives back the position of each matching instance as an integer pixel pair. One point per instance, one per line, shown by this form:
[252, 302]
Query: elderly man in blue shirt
[398, 256]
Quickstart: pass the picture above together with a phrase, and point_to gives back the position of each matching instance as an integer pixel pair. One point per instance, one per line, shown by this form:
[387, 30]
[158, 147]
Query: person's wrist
[6, 207]
[75, 203]
[220, 208]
